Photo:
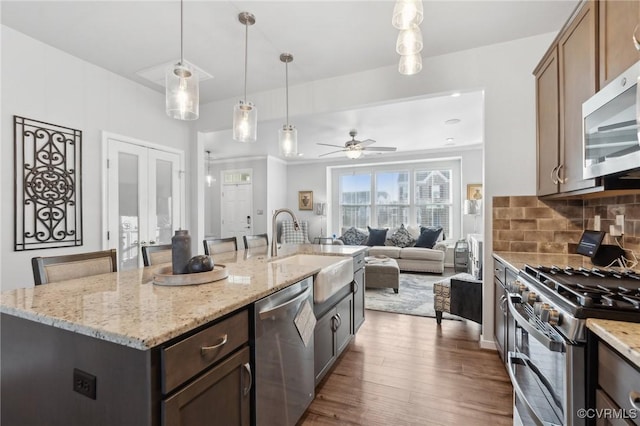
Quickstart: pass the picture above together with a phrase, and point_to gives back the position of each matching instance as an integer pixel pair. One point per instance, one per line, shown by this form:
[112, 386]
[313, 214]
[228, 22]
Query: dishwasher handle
[276, 309]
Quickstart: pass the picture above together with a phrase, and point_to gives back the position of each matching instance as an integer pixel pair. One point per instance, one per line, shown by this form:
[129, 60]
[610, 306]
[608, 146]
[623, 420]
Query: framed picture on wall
[305, 200]
[474, 191]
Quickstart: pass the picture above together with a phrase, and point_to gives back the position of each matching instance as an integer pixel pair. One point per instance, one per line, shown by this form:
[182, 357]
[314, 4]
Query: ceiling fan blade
[366, 142]
[332, 152]
[328, 144]
[380, 148]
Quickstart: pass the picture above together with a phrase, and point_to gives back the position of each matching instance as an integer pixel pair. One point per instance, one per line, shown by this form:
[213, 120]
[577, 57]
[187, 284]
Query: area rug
[415, 296]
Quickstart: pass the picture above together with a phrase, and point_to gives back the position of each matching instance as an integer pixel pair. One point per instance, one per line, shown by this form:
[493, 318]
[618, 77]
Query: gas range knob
[554, 317]
[540, 307]
[532, 297]
[520, 286]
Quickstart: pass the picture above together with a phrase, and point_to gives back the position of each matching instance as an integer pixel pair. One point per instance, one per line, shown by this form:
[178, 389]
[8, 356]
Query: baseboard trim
[487, 344]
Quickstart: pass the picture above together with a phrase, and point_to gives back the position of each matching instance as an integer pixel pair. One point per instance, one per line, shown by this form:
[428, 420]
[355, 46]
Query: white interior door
[144, 199]
[237, 207]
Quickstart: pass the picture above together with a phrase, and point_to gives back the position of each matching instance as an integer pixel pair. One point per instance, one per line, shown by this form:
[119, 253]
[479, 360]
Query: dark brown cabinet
[222, 393]
[617, 21]
[548, 122]
[215, 365]
[565, 78]
[332, 335]
[577, 58]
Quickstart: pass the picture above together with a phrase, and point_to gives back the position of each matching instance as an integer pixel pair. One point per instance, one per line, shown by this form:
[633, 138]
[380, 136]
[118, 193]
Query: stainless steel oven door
[537, 368]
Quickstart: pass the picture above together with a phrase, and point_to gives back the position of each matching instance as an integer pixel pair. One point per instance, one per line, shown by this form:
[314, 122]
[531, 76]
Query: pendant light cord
[286, 73]
[246, 57]
[181, 34]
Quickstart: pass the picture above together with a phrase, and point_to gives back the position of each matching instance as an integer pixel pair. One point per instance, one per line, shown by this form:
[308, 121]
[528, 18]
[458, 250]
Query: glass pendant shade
[406, 13]
[245, 122]
[409, 41]
[182, 99]
[410, 64]
[288, 141]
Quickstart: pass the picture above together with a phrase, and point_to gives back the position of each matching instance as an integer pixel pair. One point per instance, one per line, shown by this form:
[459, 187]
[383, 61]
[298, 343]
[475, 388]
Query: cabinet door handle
[553, 175]
[634, 399]
[635, 39]
[339, 320]
[561, 180]
[204, 350]
[355, 286]
[334, 323]
[246, 390]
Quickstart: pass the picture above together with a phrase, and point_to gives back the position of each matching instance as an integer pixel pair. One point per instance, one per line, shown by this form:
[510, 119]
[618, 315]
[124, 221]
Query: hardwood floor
[407, 370]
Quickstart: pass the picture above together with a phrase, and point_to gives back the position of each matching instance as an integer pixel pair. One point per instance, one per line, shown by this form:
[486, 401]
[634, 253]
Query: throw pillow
[376, 236]
[353, 237]
[402, 237]
[428, 236]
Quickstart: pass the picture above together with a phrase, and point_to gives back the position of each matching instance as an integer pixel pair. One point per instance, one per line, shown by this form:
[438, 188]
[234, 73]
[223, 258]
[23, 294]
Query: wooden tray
[164, 276]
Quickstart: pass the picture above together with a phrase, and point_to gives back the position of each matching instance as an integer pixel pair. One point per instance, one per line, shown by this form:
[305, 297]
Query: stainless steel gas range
[550, 367]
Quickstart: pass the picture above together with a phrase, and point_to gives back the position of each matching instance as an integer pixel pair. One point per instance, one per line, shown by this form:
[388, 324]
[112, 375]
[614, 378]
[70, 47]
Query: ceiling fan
[354, 148]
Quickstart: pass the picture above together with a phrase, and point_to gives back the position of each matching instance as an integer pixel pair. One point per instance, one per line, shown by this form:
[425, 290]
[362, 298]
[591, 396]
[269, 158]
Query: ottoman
[381, 273]
[459, 295]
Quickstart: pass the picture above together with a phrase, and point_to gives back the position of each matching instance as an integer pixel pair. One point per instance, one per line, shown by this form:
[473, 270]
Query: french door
[144, 198]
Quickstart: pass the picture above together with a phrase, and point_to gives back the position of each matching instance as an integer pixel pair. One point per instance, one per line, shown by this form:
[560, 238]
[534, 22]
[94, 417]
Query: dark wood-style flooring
[407, 370]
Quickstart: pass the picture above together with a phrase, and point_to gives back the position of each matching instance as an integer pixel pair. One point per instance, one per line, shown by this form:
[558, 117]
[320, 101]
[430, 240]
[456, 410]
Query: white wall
[276, 192]
[46, 84]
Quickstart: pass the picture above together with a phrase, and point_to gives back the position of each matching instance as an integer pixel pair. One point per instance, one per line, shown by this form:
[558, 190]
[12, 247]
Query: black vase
[180, 251]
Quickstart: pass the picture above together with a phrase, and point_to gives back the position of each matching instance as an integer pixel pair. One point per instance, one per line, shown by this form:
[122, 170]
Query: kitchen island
[116, 327]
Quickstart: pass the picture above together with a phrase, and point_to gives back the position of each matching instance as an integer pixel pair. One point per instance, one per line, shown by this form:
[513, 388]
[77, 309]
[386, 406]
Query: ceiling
[327, 39]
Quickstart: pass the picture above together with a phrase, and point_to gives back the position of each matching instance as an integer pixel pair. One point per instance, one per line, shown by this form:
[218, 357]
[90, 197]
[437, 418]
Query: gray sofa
[411, 259]
[414, 259]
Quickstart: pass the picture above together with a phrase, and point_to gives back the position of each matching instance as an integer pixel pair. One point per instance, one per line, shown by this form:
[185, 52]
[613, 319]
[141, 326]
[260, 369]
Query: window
[423, 193]
[355, 200]
[433, 199]
[392, 199]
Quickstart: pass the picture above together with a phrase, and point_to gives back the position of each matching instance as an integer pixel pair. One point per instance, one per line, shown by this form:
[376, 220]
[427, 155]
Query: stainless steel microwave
[610, 127]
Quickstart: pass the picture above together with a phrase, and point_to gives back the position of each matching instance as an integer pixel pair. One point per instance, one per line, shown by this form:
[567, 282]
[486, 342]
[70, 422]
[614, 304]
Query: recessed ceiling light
[300, 154]
[452, 121]
[455, 94]
[449, 141]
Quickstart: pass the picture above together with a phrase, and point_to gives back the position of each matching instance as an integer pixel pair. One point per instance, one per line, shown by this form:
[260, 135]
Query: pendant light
[410, 64]
[181, 83]
[209, 177]
[245, 114]
[288, 135]
[407, 12]
[409, 41]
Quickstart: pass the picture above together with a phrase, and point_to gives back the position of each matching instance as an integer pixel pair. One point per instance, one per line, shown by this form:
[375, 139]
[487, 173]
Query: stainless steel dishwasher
[284, 368]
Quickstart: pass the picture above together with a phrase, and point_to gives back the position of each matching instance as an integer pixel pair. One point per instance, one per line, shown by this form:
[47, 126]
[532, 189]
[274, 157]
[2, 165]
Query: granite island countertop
[128, 309]
[622, 336]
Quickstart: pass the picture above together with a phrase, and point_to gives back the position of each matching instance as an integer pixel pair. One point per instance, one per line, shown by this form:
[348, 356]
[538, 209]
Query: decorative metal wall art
[48, 185]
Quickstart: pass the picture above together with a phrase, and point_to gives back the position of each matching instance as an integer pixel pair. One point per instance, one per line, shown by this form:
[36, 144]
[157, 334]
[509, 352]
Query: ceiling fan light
[407, 12]
[181, 100]
[410, 64]
[288, 141]
[354, 154]
[409, 41]
[245, 122]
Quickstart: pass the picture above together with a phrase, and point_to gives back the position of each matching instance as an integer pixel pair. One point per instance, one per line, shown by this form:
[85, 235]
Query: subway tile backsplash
[527, 224]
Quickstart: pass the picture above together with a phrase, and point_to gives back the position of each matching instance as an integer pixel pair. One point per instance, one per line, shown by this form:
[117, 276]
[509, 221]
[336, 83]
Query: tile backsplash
[527, 224]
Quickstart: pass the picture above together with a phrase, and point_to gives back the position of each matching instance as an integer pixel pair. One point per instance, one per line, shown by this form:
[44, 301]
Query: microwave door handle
[517, 358]
[552, 345]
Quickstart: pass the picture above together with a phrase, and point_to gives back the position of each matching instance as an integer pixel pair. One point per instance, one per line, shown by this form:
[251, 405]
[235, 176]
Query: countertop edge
[624, 337]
